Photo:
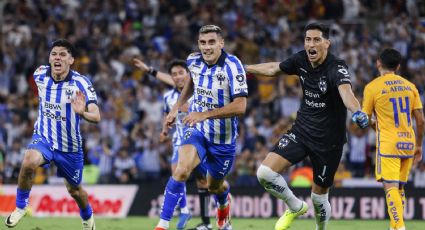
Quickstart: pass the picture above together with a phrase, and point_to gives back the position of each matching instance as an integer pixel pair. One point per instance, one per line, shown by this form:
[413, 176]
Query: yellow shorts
[393, 169]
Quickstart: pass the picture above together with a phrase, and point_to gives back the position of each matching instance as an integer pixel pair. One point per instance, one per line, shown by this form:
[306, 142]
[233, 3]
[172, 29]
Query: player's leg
[388, 172]
[33, 158]
[325, 165]
[406, 166]
[284, 154]
[185, 215]
[192, 146]
[204, 197]
[70, 167]
[81, 198]
[219, 162]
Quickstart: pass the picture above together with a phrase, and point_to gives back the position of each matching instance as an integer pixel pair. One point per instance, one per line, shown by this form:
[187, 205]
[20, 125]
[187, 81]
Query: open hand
[78, 103]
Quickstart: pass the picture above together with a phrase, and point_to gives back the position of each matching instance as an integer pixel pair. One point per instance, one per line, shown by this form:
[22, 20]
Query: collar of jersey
[68, 77]
[321, 66]
[220, 61]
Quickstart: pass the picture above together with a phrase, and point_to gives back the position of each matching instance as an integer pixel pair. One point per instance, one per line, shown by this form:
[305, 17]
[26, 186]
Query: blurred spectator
[358, 147]
[419, 175]
[124, 167]
[245, 169]
[14, 159]
[341, 174]
[2, 164]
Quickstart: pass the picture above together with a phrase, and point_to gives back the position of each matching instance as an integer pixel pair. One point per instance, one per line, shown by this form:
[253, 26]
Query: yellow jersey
[392, 99]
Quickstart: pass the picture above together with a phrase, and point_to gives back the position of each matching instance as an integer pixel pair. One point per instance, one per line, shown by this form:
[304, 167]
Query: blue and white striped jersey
[214, 87]
[170, 99]
[57, 122]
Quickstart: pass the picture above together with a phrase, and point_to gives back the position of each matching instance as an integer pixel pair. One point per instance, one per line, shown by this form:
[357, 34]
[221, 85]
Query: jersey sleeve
[340, 74]
[40, 71]
[87, 88]
[417, 103]
[368, 100]
[237, 78]
[289, 66]
[191, 60]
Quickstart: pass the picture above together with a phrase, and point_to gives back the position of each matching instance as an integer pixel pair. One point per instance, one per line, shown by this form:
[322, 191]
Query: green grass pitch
[144, 223]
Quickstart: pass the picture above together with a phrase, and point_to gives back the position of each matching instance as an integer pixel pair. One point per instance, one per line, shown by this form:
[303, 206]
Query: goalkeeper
[319, 130]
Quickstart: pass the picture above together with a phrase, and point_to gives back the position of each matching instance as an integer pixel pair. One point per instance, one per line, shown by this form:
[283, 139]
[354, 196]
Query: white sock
[322, 210]
[163, 223]
[275, 184]
[184, 210]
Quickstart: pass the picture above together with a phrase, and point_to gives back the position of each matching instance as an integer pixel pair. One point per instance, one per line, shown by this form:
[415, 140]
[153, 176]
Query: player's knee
[74, 192]
[215, 189]
[264, 174]
[31, 161]
[181, 173]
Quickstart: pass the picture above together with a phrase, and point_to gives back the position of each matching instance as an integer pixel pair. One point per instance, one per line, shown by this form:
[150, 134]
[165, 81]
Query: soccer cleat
[224, 216]
[89, 224]
[183, 219]
[13, 219]
[202, 226]
[288, 217]
[159, 228]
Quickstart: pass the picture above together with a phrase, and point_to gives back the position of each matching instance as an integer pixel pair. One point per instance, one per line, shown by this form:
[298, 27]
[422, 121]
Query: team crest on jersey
[187, 134]
[283, 142]
[323, 86]
[68, 93]
[220, 77]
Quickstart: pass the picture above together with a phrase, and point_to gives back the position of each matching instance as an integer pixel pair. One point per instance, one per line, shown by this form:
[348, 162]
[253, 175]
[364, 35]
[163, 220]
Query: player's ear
[378, 64]
[327, 43]
[71, 61]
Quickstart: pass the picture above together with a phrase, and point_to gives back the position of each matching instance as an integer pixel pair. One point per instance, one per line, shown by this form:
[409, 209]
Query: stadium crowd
[124, 147]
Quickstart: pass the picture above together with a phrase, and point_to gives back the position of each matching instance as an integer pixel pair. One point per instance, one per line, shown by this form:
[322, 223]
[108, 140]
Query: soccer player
[319, 130]
[394, 100]
[219, 89]
[178, 75]
[65, 97]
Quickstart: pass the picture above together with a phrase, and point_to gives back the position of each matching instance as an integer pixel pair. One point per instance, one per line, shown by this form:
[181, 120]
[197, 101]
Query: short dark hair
[390, 59]
[64, 43]
[177, 62]
[318, 26]
[211, 28]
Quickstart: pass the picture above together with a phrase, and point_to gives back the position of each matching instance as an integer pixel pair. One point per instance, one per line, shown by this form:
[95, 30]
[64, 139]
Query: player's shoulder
[374, 84]
[337, 63]
[194, 55]
[76, 76]
[41, 70]
[170, 93]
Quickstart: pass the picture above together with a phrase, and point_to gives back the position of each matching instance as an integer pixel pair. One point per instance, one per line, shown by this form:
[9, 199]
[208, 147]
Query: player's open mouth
[312, 54]
[57, 65]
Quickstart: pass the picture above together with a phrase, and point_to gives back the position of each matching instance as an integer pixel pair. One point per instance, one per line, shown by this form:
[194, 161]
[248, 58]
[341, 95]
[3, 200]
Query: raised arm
[186, 93]
[164, 77]
[347, 96]
[269, 69]
[89, 112]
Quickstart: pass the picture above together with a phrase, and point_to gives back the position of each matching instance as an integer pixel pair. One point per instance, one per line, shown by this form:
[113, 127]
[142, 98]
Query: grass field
[144, 223]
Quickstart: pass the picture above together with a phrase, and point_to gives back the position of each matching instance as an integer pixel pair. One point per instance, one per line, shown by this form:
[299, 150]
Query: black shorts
[325, 163]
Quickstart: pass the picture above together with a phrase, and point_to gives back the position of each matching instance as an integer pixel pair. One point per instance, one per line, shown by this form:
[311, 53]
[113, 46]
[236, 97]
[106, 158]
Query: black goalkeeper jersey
[321, 118]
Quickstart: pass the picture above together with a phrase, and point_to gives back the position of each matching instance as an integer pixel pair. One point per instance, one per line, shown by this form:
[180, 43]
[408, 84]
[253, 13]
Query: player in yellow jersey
[394, 100]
